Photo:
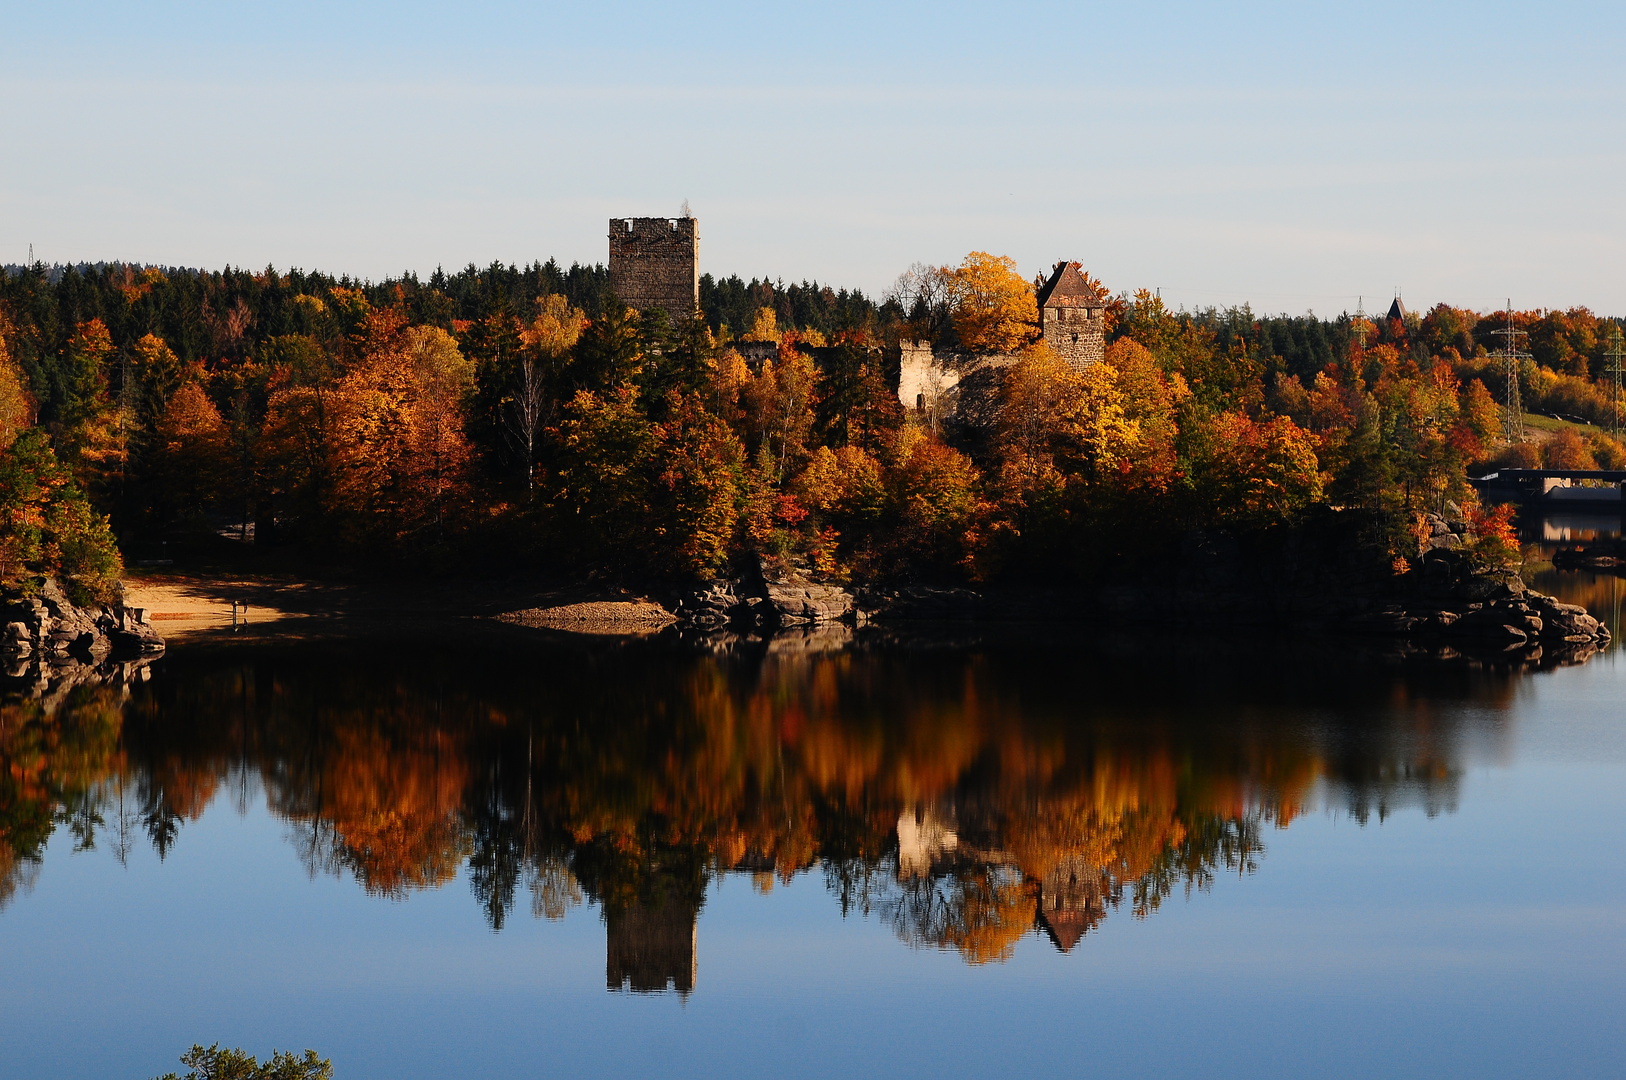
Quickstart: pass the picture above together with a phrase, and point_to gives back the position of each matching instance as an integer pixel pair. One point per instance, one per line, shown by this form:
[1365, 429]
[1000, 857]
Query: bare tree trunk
[525, 419]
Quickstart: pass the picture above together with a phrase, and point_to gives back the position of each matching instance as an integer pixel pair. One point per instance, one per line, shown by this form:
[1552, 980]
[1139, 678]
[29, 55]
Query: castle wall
[655, 262]
[942, 385]
[923, 381]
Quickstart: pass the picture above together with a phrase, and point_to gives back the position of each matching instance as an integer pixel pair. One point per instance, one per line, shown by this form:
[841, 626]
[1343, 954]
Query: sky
[1297, 156]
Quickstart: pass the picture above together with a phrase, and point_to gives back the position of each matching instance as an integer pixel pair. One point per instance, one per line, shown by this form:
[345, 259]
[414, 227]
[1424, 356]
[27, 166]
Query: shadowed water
[900, 857]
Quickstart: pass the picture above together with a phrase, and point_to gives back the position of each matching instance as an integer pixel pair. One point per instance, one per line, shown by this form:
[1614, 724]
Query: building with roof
[1072, 315]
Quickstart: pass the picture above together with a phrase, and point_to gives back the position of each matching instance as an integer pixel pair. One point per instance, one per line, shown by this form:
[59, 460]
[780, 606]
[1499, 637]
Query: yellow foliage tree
[778, 404]
[556, 328]
[1053, 413]
[729, 375]
[400, 455]
[764, 326]
[1267, 471]
[994, 308]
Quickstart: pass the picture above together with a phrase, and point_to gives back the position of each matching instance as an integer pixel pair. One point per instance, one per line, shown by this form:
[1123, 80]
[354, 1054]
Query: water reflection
[1602, 594]
[965, 796]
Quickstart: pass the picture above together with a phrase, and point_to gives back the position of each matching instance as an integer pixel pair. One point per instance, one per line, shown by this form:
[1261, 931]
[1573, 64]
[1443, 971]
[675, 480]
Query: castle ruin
[943, 383]
[655, 263]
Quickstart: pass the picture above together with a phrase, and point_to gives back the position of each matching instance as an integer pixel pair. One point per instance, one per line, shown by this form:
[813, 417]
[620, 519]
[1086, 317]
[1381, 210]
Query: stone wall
[942, 385]
[1076, 334]
[924, 383]
[655, 262]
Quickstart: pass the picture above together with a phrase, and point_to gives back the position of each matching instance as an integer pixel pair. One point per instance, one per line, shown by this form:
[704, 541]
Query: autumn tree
[778, 405]
[935, 498]
[298, 436]
[1566, 450]
[545, 346]
[400, 456]
[994, 306]
[187, 460]
[16, 408]
[606, 450]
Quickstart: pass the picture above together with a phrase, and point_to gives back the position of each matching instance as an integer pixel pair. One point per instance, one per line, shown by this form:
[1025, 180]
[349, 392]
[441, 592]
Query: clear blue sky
[1291, 155]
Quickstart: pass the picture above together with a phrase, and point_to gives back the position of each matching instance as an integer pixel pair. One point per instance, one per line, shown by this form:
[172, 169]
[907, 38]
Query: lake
[515, 854]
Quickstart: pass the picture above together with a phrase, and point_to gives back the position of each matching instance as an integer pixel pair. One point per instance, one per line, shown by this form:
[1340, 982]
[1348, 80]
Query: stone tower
[655, 263]
[1073, 316]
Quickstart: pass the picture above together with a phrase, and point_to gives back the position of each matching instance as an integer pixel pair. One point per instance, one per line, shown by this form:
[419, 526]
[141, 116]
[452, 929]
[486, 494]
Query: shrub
[1494, 543]
[213, 1063]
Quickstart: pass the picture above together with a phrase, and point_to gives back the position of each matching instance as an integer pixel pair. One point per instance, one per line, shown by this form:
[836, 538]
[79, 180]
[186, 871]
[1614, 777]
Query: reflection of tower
[650, 948]
[1072, 901]
[924, 838]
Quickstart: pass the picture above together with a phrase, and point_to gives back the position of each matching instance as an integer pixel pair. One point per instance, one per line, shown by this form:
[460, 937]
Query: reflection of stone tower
[650, 949]
[1072, 316]
[655, 263]
[925, 838]
[1072, 901]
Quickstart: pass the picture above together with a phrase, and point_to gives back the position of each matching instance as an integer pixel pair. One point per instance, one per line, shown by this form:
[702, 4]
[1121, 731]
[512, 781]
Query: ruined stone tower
[1072, 315]
[655, 263]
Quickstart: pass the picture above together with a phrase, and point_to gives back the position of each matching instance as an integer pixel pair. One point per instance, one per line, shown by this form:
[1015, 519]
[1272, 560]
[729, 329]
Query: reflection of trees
[50, 766]
[978, 909]
[632, 775]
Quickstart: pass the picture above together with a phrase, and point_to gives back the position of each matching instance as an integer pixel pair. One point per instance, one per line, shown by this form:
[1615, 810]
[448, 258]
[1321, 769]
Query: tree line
[525, 414]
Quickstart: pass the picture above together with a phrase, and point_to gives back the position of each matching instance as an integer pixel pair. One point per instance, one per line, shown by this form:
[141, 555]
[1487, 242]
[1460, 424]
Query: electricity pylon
[1614, 355]
[1513, 417]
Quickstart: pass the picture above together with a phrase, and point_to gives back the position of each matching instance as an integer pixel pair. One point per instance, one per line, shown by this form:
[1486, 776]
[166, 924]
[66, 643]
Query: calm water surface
[526, 856]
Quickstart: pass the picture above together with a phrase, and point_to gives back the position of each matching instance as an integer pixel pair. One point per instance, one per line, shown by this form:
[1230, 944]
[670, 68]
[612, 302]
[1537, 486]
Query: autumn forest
[523, 418]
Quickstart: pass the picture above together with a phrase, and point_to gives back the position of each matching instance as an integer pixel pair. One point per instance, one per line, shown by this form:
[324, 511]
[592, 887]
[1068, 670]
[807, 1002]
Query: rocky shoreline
[45, 629]
[1321, 580]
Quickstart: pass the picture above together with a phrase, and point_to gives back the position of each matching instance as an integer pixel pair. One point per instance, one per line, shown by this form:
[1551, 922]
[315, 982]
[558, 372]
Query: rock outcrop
[764, 592]
[48, 627]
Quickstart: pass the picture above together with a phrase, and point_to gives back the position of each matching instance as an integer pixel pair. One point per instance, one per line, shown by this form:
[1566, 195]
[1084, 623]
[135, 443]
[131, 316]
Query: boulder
[764, 592]
[794, 598]
[710, 606]
[1560, 620]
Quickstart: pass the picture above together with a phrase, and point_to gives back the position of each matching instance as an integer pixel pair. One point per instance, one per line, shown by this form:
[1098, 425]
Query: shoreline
[192, 607]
